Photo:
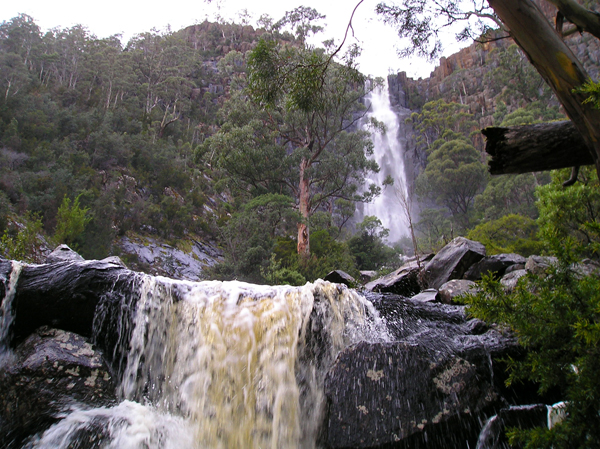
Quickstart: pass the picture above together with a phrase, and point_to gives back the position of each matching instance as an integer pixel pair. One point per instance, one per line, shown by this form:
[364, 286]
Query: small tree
[71, 221]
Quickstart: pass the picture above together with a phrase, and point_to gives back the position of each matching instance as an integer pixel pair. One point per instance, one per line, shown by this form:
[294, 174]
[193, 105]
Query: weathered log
[529, 148]
[555, 62]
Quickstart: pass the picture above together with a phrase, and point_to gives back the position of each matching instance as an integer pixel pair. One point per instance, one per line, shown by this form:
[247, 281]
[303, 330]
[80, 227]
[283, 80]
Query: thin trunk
[304, 194]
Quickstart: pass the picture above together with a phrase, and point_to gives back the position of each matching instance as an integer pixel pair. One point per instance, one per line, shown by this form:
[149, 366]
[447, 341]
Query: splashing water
[388, 152]
[224, 365]
[6, 313]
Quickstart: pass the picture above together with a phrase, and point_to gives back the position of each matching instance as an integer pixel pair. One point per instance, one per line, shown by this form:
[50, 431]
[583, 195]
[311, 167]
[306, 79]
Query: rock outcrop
[51, 372]
[452, 261]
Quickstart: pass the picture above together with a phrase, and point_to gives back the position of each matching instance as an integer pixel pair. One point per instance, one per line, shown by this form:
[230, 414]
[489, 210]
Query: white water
[220, 365]
[389, 154]
[6, 313]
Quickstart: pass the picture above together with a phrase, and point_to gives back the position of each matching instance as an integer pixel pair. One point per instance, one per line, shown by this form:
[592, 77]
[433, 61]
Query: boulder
[51, 372]
[454, 288]
[509, 281]
[63, 253]
[385, 393]
[495, 265]
[452, 261]
[436, 378]
[539, 264]
[428, 295]
[404, 281]
[340, 277]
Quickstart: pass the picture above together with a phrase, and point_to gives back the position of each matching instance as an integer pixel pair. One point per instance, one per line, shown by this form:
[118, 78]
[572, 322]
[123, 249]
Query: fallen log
[531, 148]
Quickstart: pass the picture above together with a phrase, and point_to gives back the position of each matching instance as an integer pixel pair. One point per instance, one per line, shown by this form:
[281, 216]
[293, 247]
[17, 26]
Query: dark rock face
[495, 265]
[435, 380]
[52, 371]
[404, 281]
[452, 261]
[455, 288]
[383, 393]
[340, 277]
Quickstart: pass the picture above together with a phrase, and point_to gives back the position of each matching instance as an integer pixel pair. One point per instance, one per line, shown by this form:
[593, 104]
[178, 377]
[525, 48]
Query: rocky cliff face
[466, 78]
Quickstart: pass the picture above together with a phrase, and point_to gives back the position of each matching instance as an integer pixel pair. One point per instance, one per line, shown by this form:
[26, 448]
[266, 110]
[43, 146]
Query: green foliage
[509, 234]
[438, 117]
[71, 221]
[22, 241]
[510, 194]
[453, 177]
[368, 247]
[556, 318]
[592, 89]
[571, 216]
[275, 274]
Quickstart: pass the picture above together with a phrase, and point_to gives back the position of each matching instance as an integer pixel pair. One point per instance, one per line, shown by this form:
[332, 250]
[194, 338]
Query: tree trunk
[529, 148]
[304, 195]
[555, 62]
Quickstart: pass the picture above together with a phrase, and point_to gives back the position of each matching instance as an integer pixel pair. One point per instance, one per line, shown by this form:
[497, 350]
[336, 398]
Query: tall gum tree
[523, 20]
[294, 130]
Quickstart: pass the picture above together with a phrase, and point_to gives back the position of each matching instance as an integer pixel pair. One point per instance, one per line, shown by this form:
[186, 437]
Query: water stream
[221, 365]
[7, 314]
[389, 154]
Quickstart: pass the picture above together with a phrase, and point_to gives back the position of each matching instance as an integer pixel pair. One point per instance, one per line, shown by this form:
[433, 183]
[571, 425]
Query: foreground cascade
[205, 364]
[94, 355]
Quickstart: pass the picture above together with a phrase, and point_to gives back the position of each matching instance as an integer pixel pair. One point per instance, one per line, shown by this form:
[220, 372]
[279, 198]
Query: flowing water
[220, 365]
[6, 313]
[389, 154]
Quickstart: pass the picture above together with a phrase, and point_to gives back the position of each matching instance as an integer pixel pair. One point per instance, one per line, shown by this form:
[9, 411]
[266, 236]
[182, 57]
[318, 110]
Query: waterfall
[222, 365]
[6, 312]
[389, 154]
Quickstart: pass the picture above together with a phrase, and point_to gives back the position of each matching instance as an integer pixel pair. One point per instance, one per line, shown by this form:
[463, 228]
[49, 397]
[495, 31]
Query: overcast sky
[128, 17]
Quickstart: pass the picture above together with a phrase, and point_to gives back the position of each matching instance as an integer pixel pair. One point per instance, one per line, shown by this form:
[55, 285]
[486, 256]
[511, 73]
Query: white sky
[128, 17]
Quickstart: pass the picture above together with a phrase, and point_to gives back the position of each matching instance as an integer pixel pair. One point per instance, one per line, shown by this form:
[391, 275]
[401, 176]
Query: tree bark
[555, 62]
[304, 196]
[546, 146]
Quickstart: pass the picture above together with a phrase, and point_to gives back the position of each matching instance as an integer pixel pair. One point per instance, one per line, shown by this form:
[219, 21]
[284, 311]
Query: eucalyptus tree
[294, 130]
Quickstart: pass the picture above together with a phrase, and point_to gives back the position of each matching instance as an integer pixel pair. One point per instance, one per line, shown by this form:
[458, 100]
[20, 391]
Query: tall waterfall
[389, 154]
[221, 365]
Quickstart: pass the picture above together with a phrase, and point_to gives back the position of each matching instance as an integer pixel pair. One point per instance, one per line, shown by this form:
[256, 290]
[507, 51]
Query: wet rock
[438, 377]
[509, 281]
[493, 435]
[389, 393]
[455, 288]
[428, 295]
[452, 261]
[63, 253]
[340, 277]
[495, 265]
[404, 281]
[157, 258]
[52, 371]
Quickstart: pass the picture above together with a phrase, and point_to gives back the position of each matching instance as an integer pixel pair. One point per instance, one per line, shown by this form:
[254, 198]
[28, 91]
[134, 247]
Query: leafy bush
[71, 221]
[23, 242]
[571, 216]
[509, 234]
[557, 318]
